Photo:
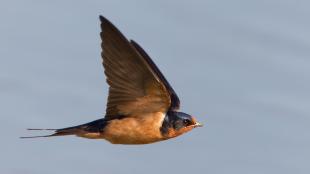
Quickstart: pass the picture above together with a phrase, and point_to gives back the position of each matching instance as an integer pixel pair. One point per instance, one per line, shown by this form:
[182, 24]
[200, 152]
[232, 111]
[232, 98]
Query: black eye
[186, 122]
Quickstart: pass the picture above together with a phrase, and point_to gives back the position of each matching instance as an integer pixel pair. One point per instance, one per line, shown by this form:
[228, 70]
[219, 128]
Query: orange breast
[135, 130]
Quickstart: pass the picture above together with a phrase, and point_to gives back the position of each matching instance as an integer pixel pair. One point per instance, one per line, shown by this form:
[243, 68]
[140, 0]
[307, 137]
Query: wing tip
[102, 19]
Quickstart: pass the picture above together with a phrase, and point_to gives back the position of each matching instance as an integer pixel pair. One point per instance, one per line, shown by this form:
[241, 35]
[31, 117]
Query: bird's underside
[122, 130]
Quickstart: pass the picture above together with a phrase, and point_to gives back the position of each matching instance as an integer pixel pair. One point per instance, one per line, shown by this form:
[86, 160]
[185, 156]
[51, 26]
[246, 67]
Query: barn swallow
[142, 107]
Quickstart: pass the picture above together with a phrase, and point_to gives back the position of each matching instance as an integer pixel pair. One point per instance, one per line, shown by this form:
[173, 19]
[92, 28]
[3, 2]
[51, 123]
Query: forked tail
[58, 132]
[91, 128]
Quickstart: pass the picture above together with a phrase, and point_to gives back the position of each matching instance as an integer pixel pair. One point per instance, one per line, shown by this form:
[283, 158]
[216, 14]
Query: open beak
[197, 124]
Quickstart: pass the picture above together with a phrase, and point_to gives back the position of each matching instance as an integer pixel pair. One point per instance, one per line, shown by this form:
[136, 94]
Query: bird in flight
[142, 107]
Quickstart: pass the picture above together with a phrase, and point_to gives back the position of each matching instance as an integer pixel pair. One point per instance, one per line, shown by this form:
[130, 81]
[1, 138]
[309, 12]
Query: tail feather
[37, 136]
[80, 130]
[42, 129]
[58, 132]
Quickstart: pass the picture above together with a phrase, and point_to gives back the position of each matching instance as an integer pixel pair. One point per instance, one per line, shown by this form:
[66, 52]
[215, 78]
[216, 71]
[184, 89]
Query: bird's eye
[186, 122]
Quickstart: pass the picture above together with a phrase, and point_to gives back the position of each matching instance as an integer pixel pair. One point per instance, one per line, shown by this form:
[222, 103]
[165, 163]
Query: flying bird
[142, 107]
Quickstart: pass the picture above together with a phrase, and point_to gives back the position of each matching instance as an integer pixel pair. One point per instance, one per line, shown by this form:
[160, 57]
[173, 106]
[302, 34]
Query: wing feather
[134, 87]
[175, 102]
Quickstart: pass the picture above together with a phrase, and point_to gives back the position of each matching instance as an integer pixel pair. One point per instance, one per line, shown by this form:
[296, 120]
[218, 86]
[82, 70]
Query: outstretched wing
[175, 102]
[135, 88]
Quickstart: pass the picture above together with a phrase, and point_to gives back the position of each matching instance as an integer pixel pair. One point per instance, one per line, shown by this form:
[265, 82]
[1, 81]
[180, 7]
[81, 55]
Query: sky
[240, 67]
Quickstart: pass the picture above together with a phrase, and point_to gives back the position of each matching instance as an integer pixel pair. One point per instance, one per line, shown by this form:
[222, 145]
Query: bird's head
[177, 123]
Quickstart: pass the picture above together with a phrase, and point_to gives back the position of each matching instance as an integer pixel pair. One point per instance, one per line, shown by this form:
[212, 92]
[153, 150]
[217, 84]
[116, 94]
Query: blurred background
[241, 67]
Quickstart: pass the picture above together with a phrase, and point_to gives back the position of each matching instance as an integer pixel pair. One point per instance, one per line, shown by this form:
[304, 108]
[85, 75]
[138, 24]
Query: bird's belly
[135, 130]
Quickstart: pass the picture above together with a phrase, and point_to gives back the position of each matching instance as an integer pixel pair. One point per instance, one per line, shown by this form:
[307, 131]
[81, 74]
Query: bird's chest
[135, 130]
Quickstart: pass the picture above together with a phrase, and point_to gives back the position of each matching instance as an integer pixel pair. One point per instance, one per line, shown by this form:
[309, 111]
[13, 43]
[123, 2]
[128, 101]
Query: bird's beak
[197, 124]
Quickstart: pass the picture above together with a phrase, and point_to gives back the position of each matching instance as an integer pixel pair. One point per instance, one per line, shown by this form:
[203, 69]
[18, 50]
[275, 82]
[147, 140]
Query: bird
[142, 107]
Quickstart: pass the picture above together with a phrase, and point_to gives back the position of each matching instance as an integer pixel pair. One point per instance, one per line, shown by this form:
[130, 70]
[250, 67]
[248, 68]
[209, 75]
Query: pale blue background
[241, 67]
